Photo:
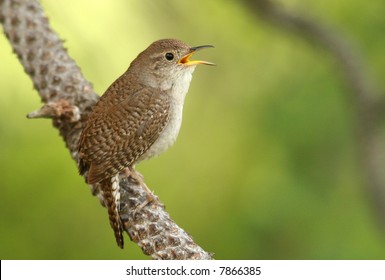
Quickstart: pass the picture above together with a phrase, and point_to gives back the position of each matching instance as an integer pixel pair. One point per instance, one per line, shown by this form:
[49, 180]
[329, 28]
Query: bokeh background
[265, 166]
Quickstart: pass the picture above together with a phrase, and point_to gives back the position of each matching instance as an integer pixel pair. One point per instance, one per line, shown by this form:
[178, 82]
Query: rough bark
[68, 98]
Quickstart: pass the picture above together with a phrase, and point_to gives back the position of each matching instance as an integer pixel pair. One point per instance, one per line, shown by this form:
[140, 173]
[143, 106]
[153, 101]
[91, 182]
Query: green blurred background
[265, 166]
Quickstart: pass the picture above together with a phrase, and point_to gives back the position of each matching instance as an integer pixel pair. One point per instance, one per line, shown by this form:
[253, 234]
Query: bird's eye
[169, 56]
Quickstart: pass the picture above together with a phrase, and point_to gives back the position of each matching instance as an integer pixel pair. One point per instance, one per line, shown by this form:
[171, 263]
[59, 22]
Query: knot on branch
[59, 109]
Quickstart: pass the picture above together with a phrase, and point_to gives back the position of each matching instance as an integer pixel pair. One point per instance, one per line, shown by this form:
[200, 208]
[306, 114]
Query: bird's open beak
[186, 59]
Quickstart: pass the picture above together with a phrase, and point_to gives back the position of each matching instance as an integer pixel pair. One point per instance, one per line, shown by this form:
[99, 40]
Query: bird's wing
[117, 134]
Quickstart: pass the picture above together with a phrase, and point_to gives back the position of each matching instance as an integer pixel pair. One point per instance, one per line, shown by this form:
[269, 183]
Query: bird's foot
[131, 173]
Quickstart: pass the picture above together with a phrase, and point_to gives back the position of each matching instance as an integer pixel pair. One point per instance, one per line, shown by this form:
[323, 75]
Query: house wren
[138, 117]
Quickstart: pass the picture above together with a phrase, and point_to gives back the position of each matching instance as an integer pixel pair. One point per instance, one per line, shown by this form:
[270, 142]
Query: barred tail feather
[110, 189]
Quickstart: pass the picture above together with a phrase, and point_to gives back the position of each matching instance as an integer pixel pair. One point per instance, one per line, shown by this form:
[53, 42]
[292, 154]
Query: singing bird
[137, 118]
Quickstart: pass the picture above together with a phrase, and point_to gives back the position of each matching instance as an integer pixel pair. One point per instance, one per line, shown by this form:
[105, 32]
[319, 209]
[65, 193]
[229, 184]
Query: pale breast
[169, 134]
[167, 137]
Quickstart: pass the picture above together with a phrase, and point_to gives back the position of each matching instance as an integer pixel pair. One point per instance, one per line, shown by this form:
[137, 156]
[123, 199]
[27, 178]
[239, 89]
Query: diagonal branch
[68, 99]
[363, 92]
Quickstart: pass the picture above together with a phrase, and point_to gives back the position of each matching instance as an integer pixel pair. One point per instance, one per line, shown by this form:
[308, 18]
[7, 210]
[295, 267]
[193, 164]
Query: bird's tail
[111, 195]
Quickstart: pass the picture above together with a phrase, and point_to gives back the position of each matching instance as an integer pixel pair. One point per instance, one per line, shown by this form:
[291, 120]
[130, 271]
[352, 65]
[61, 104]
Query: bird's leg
[136, 176]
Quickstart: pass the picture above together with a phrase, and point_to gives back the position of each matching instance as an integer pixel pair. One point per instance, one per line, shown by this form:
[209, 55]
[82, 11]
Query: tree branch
[68, 99]
[368, 102]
